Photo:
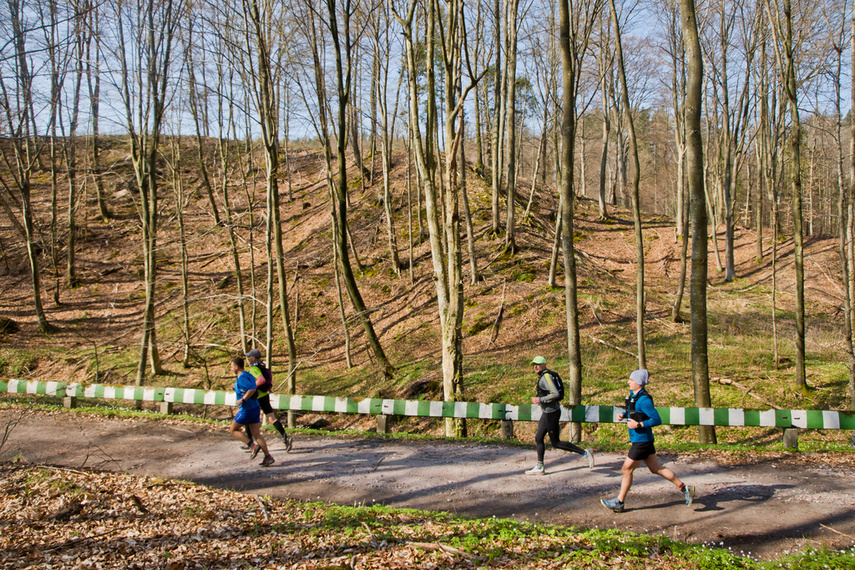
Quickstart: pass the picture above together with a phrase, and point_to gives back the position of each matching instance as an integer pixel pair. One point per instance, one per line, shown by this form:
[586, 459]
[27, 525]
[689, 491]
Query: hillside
[100, 320]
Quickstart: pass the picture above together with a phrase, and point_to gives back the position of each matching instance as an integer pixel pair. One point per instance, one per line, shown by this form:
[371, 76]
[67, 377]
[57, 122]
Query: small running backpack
[559, 383]
[266, 379]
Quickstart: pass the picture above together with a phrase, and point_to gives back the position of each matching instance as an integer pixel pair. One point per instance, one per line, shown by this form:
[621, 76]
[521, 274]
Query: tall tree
[781, 18]
[445, 27]
[673, 46]
[338, 21]
[698, 212]
[605, 62]
[260, 18]
[382, 37]
[636, 181]
[71, 159]
[847, 220]
[17, 93]
[732, 124]
[93, 82]
[498, 118]
[510, 148]
[198, 103]
[146, 31]
[576, 22]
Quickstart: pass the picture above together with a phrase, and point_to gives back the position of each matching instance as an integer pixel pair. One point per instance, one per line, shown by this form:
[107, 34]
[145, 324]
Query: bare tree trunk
[71, 158]
[605, 67]
[846, 220]
[695, 172]
[342, 312]
[344, 71]
[93, 81]
[180, 205]
[410, 245]
[758, 209]
[475, 276]
[264, 89]
[539, 158]
[788, 73]
[573, 40]
[678, 92]
[636, 180]
[511, 25]
[442, 201]
[496, 144]
[152, 30]
[226, 79]
[199, 119]
[387, 131]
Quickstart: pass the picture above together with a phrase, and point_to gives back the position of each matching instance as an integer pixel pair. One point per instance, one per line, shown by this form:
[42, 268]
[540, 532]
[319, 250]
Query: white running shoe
[589, 455]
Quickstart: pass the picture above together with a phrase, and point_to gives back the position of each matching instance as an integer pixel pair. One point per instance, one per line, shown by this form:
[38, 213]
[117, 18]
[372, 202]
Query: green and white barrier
[804, 419]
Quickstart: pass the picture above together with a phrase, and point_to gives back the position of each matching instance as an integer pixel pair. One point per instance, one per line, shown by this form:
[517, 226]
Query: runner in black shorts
[641, 416]
[263, 380]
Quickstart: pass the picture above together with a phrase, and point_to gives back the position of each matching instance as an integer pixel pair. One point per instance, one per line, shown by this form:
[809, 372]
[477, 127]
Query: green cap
[538, 360]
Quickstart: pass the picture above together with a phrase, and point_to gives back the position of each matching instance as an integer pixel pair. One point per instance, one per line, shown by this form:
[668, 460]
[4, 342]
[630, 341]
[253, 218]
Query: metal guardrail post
[791, 438]
[507, 429]
[384, 423]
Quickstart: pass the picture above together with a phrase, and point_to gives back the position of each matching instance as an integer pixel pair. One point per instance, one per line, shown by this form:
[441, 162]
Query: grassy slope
[101, 318]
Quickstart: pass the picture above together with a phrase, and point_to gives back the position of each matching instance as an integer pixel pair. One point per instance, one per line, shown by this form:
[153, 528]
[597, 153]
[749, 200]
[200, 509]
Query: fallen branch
[494, 332]
[263, 508]
[747, 390]
[444, 548]
[595, 339]
[837, 531]
[75, 541]
[66, 469]
[831, 280]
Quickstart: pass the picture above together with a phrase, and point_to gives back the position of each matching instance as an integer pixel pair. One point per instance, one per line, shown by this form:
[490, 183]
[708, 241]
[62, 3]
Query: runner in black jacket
[548, 397]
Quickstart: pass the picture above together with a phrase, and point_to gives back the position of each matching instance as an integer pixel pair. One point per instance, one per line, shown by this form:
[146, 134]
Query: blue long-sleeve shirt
[644, 405]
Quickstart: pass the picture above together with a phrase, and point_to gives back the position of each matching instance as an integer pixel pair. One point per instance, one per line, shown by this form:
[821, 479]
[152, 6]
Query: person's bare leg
[236, 430]
[256, 435]
[655, 467]
[626, 471]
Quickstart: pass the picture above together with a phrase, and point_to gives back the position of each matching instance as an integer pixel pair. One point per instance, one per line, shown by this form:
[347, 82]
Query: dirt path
[764, 508]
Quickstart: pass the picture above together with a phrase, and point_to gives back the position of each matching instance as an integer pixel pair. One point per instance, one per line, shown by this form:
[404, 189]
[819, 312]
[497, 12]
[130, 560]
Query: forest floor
[774, 504]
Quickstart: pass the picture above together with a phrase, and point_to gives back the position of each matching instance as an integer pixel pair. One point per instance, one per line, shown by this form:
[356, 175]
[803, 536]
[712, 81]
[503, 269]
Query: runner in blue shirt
[642, 417]
[249, 412]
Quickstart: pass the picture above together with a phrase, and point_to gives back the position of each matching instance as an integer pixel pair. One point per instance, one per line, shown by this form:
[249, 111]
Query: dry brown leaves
[57, 517]
[63, 518]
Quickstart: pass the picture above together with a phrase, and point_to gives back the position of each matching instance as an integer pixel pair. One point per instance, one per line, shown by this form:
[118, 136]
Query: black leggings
[549, 425]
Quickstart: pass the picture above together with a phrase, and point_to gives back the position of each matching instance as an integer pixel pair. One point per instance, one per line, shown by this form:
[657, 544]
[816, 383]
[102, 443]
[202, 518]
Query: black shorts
[638, 452]
[264, 402]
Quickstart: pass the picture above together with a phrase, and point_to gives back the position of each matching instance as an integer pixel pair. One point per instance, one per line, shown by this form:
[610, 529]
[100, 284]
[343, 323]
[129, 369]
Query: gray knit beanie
[639, 377]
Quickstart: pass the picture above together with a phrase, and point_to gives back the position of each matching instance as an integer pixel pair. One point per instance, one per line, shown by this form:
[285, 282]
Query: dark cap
[255, 353]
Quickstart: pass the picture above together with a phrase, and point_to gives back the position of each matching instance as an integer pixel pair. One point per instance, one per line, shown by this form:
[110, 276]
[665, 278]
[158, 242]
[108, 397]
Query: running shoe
[288, 441]
[536, 470]
[689, 494]
[267, 461]
[614, 504]
[255, 449]
[589, 455]
[248, 446]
